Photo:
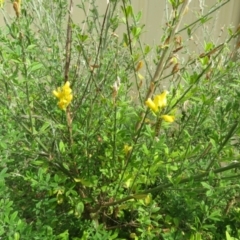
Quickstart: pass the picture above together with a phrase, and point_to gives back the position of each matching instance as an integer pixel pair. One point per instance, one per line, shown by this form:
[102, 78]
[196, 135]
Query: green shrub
[104, 137]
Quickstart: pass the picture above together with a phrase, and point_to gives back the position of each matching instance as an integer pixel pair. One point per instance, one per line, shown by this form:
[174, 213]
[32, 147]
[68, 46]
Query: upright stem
[67, 66]
[25, 73]
[68, 42]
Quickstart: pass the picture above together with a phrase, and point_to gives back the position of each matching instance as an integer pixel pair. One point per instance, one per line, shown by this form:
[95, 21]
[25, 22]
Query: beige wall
[156, 12]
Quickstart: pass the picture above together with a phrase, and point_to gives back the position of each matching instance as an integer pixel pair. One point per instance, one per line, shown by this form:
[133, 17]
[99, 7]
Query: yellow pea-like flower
[159, 101]
[64, 94]
[127, 149]
[168, 118]
[151, 105]
[1, 3]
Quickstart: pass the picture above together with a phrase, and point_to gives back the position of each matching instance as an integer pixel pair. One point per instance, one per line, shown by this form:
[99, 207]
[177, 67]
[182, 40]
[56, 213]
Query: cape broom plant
[117, 155]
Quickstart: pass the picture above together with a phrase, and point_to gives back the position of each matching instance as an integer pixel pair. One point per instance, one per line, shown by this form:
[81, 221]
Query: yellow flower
[1, 3]
[151, 105]
[64, 94]
[168, 118]
[148, 199]
[140, 76]
[127, 149]
[159, 101]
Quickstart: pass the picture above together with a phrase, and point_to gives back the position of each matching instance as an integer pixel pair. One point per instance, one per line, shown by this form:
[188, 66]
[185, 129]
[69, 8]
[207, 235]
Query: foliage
[107, 161]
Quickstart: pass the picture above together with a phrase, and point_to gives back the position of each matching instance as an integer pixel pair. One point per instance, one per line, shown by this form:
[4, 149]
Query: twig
[68, 42]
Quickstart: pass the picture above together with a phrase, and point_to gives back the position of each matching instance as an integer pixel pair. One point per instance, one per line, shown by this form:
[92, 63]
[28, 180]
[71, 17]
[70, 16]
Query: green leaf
[145, 149]
[82, 38]
[13, 216]
[125, 39]
[136, 31]
[216, 216]
[114, 236]
[84, 182]
[205, 185]
[44, 127]
[209, 193]
[16, 236]
[208, 46]
[62, 147]
[147, 49]
[173, 3]
[138, 16]
[63, 236]
[31, 46]
[196, 236]
[65, 166]
[228, 237]
[35, 66]
[3, 174]
[127, 11]
[79, 208]
[140, 196]
[38, 162]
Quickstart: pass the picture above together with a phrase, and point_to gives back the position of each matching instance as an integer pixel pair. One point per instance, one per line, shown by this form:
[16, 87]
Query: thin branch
[68, 43]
